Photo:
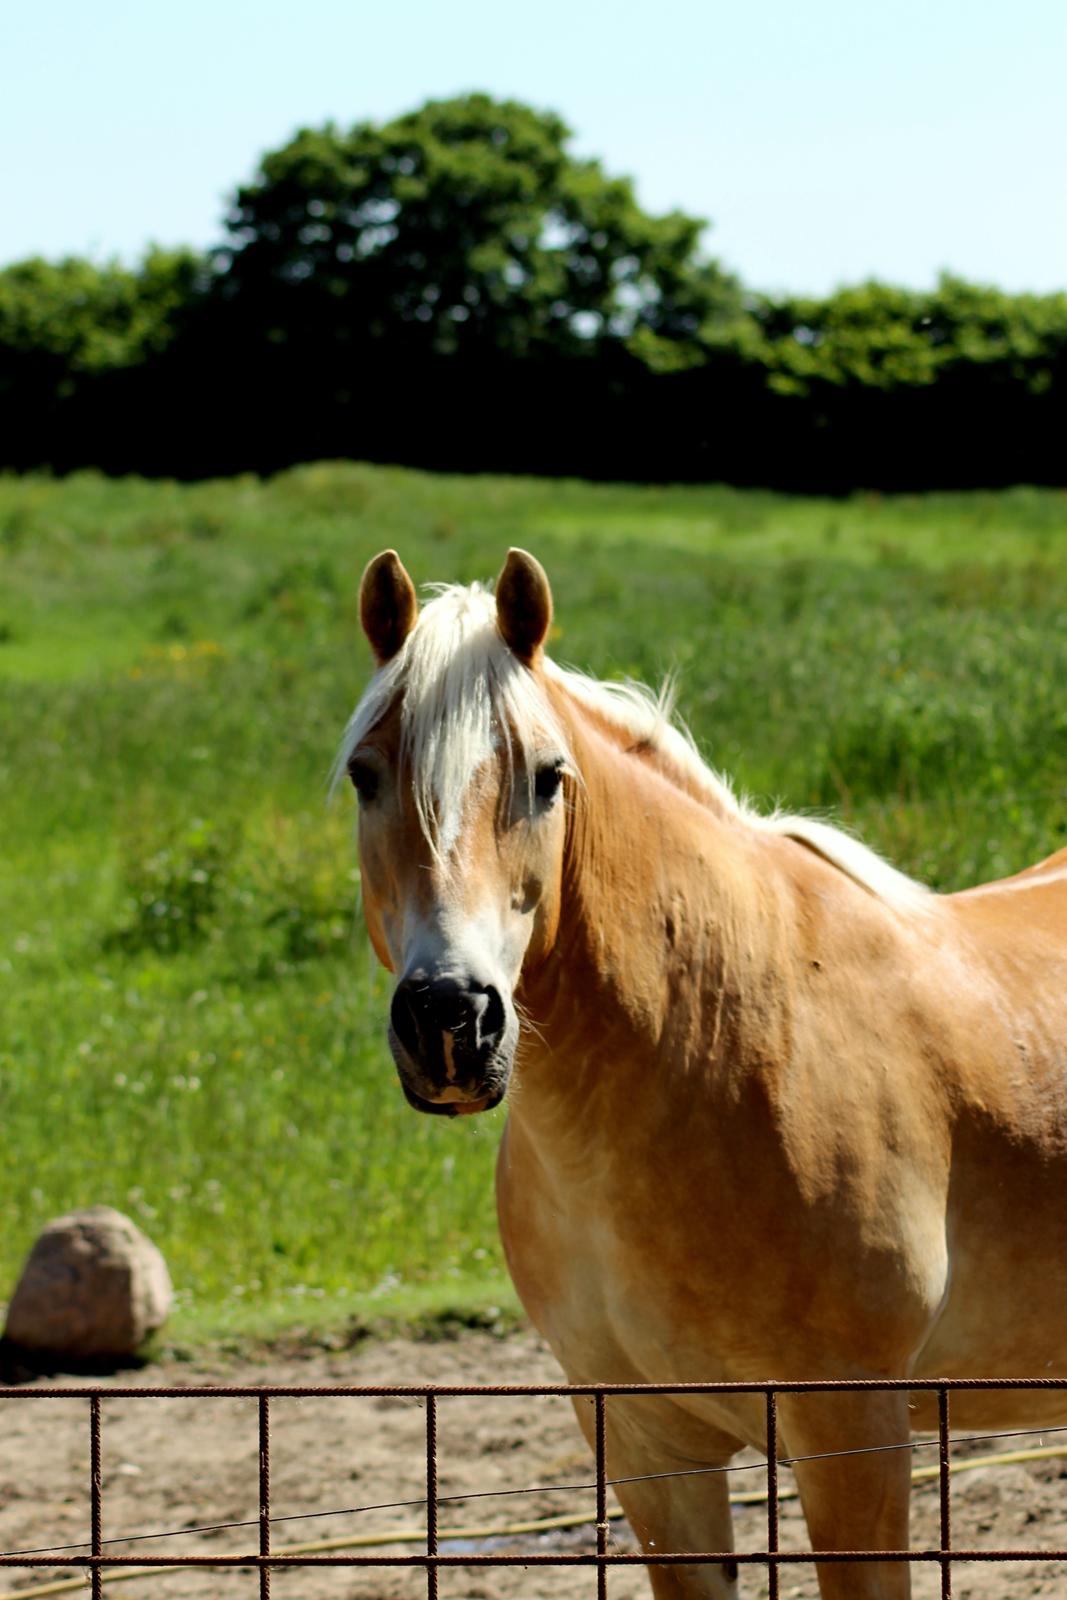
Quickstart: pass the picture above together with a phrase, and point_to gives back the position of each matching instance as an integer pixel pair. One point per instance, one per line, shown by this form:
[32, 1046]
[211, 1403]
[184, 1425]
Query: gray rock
[94, 1286]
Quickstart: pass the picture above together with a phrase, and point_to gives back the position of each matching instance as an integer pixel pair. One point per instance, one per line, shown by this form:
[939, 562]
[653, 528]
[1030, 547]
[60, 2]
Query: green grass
[193, 1024]
[430, 1310]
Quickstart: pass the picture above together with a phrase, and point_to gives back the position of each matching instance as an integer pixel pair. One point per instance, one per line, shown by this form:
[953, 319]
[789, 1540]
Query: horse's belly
[1004, 1314]
[991, 1411]
[998, 1327]
[1003, 1318]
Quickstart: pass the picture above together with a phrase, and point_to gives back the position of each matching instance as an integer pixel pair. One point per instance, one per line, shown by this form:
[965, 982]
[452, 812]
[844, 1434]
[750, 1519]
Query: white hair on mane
[649, 717]
[464, 690]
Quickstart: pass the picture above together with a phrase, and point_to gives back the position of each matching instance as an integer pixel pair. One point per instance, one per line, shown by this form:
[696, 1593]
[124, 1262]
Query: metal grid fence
[432, 1559]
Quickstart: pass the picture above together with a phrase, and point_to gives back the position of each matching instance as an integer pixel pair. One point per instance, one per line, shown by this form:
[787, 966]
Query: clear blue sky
[828, 140]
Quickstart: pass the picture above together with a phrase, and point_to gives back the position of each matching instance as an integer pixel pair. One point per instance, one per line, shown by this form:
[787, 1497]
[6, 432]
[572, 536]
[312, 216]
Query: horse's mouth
[451, 1108]
[450, 1100]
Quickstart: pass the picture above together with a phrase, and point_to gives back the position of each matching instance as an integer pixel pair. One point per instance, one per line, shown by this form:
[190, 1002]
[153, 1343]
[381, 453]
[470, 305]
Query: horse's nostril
[451, 1010]
[404, 1016]
[491, 1022]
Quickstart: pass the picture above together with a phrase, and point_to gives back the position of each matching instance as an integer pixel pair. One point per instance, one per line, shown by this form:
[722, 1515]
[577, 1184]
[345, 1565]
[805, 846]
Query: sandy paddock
[181, 1464]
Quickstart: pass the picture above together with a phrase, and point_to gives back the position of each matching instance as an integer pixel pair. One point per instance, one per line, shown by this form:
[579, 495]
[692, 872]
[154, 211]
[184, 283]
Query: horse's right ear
[387, 605]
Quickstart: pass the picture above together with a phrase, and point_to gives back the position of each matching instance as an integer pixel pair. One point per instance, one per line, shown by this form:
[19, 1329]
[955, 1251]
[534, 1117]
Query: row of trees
[455, 289]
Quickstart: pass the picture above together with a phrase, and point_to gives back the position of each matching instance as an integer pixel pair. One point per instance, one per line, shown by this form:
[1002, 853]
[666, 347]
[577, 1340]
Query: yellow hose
[365, 1541]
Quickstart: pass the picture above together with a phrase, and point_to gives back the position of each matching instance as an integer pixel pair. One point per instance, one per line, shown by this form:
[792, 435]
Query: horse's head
[458, 760]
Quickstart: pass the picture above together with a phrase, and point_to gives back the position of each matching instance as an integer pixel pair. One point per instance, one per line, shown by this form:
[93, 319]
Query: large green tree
[464, 226]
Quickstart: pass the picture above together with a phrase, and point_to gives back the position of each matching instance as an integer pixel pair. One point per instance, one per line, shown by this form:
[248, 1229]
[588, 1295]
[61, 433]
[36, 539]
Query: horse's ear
[387, 605]
[523, 605]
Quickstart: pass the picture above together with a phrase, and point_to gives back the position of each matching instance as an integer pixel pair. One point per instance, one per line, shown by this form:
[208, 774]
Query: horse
[778, 1111]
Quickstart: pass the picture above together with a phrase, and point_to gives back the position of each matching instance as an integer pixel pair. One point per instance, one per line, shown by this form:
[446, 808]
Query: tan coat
[767, 1124]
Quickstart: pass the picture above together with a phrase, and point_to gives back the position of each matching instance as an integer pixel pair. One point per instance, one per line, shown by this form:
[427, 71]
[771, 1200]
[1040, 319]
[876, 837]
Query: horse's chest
[709, 1269]
[615, 1287]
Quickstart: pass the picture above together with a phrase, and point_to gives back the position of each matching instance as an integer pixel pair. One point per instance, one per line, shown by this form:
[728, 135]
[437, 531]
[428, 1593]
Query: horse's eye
[364, 778]
[547, 780]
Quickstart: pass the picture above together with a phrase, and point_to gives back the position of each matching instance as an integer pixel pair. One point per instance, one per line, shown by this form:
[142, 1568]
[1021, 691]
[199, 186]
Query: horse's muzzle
[450, 1044]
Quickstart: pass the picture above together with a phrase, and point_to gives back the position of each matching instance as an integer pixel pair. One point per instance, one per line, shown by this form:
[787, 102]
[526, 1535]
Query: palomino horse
[778, 1113]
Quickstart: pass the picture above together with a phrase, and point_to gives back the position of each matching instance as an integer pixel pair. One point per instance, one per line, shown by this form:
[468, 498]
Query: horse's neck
[673, 934]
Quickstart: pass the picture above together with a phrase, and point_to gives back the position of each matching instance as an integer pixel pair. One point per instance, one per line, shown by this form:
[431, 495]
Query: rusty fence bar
[96, 1495]
[431, 1495]
[614, 1558]
[945, 1488]
[264, 1495]
[772, 1493]
[268, 1558]
[601, 1405]
[419, 1391]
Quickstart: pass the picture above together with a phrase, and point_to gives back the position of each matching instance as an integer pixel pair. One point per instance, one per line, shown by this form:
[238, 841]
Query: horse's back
[1014, 932]
[1039, 891]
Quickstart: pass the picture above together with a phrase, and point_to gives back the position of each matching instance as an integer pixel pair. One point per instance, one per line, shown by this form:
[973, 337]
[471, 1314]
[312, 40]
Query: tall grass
[193, 1025]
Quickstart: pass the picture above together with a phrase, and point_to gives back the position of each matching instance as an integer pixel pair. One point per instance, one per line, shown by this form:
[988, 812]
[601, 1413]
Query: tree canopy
[877, 336]
[89, 318]
[457, 289]
[464, 226]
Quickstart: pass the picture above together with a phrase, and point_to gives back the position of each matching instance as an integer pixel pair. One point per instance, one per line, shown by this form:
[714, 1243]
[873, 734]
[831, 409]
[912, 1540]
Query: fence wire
[267, 1559]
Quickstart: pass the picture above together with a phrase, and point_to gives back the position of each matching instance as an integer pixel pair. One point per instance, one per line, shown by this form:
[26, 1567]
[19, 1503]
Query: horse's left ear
[387, 605]
[523, 605]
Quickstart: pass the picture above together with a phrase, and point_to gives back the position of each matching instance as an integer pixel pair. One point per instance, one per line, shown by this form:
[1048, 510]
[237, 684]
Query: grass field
[193, 1026]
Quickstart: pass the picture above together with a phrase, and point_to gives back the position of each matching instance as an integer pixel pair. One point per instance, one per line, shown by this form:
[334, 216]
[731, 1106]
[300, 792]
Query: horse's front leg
[853, 1502]
[674, 1514]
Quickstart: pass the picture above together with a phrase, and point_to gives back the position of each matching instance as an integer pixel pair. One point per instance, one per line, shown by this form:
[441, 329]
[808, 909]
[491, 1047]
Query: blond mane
[463, 691]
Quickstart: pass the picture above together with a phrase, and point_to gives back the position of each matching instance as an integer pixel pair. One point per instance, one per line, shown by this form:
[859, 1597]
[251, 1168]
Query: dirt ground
[179, 1464]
